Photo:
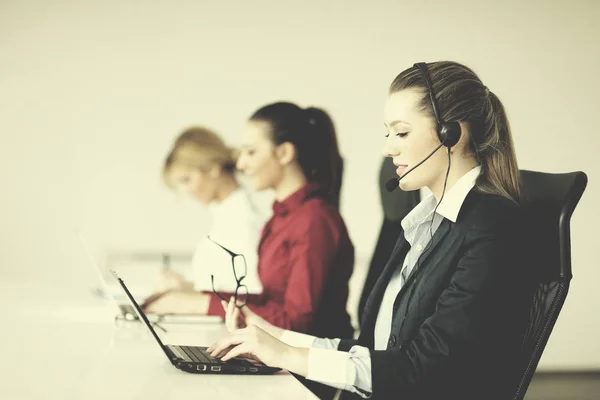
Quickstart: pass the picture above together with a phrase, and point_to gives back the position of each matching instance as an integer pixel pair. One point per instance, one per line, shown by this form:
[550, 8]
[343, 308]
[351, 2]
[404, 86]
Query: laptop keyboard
[200, 355]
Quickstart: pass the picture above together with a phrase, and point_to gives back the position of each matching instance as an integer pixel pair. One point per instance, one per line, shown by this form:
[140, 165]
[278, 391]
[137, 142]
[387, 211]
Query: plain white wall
[93, 92]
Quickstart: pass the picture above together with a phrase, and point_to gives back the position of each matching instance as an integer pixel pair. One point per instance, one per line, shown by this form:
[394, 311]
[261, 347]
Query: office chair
[549, 202]
[396, 205]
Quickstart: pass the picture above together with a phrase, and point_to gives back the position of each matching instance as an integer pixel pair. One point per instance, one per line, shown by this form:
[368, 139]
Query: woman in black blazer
[445, 318]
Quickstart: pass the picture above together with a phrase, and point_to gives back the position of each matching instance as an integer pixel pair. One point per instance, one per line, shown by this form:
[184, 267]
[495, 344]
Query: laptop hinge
[179, 355]
[171, 354]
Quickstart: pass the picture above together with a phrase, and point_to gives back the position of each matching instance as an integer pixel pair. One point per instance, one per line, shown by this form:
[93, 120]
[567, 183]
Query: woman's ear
[285, 153]
[465, 138]
[214, 171]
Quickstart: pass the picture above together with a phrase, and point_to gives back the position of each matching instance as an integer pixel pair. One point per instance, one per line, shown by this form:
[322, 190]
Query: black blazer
[458, 320]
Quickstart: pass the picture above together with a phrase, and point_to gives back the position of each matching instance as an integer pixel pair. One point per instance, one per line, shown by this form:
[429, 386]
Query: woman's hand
[170, 280]
[176, 302]
[234, 319]
[253, 342]
[238, 318]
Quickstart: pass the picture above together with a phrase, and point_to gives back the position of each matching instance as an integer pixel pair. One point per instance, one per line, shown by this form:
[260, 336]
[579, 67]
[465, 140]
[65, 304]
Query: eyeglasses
[240, 268]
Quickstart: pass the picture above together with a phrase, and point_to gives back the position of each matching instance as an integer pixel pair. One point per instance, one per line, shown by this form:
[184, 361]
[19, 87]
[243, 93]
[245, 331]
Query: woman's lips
[401, 169]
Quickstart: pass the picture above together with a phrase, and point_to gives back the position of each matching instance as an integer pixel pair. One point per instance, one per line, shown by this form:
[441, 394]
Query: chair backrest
[396, 205]
[549, 202]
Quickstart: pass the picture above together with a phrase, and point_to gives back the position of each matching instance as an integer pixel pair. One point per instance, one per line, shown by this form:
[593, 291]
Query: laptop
[196, 359]
[125, 311]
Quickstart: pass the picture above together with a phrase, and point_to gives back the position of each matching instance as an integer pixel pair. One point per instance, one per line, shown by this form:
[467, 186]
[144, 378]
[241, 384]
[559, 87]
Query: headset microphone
[392, 184]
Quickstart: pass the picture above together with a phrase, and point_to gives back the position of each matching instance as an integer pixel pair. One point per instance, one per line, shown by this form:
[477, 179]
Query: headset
[448, 132]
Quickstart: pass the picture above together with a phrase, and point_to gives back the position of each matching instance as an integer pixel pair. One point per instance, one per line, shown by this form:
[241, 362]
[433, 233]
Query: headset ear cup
[449, 133]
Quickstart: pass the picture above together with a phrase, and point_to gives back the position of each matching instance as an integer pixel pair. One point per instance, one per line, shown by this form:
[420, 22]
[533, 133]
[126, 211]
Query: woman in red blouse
[305, 254]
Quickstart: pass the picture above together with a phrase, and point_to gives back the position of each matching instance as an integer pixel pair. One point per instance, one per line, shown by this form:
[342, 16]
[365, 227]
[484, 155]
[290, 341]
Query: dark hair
[312, 133]
[462, 96]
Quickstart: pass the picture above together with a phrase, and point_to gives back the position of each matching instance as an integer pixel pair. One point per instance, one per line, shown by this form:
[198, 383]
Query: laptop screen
[140, 314]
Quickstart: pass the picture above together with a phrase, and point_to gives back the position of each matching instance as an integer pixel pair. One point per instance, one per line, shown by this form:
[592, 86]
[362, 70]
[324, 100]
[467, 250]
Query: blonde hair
[462, 96]
[199, 148]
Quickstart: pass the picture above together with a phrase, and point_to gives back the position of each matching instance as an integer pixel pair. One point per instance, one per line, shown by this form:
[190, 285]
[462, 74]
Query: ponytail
[326, 161]
[500, 173]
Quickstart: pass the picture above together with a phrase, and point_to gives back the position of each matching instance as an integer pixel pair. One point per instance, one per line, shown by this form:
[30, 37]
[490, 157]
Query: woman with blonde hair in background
[202, 166]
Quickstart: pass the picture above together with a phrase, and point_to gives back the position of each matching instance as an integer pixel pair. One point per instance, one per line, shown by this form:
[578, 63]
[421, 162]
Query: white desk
[52, 350]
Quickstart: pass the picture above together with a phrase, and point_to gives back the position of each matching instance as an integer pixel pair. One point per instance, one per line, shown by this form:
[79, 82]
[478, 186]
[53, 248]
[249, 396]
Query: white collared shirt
[352, 370]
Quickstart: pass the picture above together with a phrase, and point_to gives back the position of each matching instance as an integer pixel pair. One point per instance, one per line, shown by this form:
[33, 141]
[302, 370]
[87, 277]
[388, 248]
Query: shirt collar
[282, 208]
[454, 199]
[450, 205]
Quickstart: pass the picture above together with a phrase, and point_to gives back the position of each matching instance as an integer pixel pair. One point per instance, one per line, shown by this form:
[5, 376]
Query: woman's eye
[400, 134]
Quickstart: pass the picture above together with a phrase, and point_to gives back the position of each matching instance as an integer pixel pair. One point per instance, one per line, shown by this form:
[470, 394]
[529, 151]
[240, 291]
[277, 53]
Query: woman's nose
[389, 150]
[240, 165]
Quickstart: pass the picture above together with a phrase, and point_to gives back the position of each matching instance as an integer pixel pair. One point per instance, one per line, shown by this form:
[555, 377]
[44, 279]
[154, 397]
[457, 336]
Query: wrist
[187, 286]
[296, 360]
[274, 331]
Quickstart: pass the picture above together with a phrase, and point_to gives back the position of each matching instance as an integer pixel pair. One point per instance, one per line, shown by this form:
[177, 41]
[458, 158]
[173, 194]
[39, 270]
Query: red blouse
[305, 263]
